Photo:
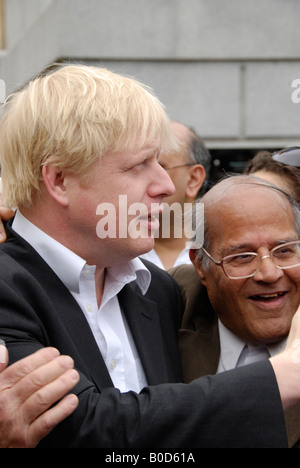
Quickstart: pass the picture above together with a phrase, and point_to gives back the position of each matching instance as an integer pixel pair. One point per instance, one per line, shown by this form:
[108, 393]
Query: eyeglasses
[247, 264]
[176, 167]
[289, 156]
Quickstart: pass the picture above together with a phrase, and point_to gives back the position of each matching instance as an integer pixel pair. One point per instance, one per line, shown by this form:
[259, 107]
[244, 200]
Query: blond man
[80, 160]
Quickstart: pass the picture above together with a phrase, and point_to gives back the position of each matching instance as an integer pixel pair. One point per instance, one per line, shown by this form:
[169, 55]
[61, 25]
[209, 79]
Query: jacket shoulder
[198, 309]
[187, 279]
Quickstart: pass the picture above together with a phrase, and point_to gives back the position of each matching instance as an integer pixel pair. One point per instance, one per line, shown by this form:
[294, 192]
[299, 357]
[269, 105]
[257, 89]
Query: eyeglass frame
[254, 254]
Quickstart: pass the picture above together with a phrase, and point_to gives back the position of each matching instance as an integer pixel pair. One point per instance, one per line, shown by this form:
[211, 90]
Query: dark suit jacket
[36, 310]
[199, 340]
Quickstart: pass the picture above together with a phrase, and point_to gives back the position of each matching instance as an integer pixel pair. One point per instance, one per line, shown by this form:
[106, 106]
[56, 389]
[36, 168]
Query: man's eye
[140, 165]
[240, 259]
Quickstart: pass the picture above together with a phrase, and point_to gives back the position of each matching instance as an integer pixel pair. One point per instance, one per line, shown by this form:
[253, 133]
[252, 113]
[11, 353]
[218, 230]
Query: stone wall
[225, 67]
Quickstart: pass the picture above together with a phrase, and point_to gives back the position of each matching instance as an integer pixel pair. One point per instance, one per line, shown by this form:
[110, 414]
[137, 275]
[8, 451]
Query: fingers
[286, 366]
[36, 380]
[294, 335]
[53, 387]
[5, 215]
[29, 389]
[44, 424]
[3, 236]
[3, 356]
[25, 366]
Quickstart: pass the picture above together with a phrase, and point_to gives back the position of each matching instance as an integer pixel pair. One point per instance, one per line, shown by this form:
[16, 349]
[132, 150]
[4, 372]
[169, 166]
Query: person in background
[243, 289]
[277, 169]
[29, 390]
[188, 168]
[64, 285]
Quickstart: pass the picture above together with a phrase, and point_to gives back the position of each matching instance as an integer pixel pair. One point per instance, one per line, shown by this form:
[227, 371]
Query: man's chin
[139, 246]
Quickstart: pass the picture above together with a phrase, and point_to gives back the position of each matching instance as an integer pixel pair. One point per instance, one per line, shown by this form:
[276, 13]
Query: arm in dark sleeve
[236, 409]
[241, 408]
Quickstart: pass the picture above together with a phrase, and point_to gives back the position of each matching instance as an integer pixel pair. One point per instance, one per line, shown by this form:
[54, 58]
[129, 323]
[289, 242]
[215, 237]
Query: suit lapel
[83, 338]
[142, 316]
[86, 353]
[199, 341]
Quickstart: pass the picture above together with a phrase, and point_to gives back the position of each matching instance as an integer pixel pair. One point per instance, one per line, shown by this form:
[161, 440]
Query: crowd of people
[106, 348]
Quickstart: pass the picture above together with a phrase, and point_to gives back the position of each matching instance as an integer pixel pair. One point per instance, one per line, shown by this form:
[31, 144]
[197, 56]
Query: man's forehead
[251, 206]
[246, 210]
[150, 147]
[236, 190]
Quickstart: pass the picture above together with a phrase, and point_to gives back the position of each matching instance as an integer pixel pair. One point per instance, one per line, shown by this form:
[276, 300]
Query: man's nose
[268, 272]
[162, 185]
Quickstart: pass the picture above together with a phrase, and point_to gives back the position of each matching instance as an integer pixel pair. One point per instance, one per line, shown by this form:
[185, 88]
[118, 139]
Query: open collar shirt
[107, 323]
[235, 352]
[183, 258]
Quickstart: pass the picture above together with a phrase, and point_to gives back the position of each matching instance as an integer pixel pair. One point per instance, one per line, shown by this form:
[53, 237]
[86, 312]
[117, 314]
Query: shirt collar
[134, 270]
[68, 266]
[232, 347]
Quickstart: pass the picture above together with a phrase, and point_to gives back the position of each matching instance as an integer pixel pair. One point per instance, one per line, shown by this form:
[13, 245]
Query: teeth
[270, 295]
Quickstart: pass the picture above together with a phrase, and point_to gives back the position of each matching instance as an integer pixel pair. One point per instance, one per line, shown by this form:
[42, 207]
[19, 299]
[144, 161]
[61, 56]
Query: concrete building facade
[229, 68]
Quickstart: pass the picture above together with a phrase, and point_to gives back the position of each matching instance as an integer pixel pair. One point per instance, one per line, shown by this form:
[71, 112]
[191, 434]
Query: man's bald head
[246, 219]
[237, 190]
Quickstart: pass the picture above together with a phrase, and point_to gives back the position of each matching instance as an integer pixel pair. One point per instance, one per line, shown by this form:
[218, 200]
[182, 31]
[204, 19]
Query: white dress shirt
[183, 258]
[236, 352]
[107, 323]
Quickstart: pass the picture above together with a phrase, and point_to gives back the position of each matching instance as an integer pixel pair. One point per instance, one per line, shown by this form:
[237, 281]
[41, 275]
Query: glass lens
[241, 265]
[287, 255]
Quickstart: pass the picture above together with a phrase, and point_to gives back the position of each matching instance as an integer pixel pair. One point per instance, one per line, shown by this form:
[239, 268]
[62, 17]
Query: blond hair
[69, 118]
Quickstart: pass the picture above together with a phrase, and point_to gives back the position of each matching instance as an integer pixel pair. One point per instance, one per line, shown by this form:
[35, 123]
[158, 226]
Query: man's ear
[197, 262]
[197, 177]
[54, 180]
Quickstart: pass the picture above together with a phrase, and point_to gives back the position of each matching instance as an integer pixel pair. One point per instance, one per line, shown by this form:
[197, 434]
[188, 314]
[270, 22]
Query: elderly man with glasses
[244, 288]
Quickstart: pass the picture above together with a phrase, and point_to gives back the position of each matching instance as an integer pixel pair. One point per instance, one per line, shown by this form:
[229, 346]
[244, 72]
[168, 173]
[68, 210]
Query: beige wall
[225, 67]
[2, 24]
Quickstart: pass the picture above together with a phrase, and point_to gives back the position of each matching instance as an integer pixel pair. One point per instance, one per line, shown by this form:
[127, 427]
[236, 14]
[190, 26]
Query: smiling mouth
[268, 297]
